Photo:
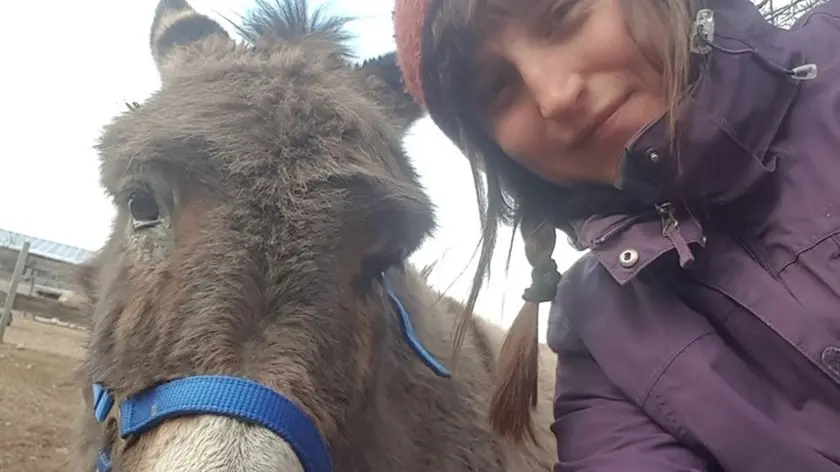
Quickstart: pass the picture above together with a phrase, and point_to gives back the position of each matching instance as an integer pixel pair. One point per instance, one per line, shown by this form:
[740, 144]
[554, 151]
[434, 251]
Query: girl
[694, 149]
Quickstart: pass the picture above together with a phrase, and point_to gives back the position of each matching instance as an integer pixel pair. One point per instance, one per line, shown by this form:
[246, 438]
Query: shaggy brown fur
[260, 193]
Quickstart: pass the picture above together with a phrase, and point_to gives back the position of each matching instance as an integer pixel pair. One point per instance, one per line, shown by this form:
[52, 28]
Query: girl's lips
[604, 128]
[600, 126]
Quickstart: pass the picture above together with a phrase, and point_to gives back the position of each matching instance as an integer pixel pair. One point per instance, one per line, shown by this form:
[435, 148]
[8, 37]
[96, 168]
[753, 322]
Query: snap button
[831, 359]
[654, 155]
[628, 257]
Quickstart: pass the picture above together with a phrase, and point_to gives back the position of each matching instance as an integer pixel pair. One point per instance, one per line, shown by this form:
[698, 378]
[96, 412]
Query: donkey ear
[385, 221]
[386, 79]
[175, 25]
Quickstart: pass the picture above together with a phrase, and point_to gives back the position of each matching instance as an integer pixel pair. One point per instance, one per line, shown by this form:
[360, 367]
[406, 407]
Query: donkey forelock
[261, 193]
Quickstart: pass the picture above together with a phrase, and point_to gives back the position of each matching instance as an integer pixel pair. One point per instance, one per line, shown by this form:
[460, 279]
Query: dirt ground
[38, 398]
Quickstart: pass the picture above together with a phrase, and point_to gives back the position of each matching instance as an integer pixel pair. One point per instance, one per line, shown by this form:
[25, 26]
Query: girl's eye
[494, 88]
[563, 19]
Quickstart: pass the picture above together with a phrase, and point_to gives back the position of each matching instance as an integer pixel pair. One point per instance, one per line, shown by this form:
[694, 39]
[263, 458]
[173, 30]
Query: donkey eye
[143, 209]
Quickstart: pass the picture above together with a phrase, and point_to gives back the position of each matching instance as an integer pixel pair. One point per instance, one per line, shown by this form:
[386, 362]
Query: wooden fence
[12, 300]
[48, 308]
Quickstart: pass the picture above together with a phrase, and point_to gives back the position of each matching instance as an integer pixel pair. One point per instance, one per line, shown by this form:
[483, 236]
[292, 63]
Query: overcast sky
[71, 66]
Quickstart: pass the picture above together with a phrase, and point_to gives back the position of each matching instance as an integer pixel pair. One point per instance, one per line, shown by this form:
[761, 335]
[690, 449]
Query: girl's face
[563, 97]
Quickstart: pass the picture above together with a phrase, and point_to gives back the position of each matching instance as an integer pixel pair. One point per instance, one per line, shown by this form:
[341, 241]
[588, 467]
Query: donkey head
[262, 192]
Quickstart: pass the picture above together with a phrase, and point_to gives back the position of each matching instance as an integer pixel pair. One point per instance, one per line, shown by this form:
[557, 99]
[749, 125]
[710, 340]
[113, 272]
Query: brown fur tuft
[294, 21]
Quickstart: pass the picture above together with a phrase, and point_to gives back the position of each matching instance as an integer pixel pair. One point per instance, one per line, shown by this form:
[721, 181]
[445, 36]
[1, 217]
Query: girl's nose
[557, 94]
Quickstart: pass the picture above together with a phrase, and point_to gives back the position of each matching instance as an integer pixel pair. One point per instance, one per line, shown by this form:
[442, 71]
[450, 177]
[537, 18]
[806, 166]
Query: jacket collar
[735, 110]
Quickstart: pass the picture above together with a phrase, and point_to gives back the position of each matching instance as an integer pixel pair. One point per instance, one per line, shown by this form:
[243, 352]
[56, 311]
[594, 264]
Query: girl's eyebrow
[490, 45]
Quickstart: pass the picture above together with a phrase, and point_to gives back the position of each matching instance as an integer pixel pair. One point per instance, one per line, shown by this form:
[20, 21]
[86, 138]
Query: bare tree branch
[784, 16]
[764, 3]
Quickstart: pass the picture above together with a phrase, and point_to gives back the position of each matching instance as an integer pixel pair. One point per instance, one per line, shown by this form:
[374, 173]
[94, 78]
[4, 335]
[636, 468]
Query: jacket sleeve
[599, 430]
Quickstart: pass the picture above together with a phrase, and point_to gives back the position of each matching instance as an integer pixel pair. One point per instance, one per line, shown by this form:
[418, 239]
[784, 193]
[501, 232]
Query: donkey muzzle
[210, 443]
[213, 423]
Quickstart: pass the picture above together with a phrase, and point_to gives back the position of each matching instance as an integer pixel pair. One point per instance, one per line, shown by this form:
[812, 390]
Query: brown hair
[510, 194]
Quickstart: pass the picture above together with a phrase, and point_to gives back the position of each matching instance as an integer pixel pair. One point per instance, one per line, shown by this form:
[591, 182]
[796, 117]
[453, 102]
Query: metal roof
[44, 248]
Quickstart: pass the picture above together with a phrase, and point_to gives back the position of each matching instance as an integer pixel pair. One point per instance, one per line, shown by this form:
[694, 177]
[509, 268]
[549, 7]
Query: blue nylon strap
[217, 395]
[411, 337]
[103, 462]
[232, 397]
[102, 402]
[241, 399]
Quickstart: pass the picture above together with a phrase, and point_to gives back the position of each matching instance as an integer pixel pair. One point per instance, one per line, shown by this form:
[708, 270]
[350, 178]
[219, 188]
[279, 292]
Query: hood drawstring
[702, 42]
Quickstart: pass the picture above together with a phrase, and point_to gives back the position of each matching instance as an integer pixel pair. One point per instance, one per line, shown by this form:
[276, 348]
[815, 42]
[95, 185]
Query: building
[50, 268]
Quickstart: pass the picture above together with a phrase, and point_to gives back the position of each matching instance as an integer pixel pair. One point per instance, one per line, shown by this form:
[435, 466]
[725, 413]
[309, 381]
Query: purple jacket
[706, 336]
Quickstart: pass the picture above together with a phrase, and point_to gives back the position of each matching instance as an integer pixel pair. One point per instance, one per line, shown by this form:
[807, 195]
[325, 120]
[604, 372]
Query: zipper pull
[703, 33]
[670, 229]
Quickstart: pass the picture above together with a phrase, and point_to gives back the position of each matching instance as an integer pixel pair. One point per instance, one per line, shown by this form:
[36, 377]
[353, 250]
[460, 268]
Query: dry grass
[38, 396]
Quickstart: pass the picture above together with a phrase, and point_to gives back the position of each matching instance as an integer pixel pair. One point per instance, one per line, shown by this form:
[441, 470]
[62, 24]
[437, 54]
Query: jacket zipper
[670, 229]
[755, 256]
[617, 228]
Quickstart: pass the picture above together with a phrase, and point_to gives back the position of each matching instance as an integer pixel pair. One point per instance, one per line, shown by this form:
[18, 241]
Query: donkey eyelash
[130, 189]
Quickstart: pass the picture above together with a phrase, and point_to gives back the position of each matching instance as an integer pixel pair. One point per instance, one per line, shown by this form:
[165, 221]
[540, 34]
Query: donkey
[254, 307]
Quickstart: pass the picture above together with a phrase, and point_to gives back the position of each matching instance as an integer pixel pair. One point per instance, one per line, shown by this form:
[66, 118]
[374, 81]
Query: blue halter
[238, 398]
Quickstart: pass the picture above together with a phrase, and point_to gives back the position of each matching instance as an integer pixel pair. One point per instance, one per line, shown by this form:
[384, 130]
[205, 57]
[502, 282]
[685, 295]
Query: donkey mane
[292, 21]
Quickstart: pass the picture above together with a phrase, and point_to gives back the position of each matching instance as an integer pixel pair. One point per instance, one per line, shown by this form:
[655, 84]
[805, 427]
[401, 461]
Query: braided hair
[516, 391]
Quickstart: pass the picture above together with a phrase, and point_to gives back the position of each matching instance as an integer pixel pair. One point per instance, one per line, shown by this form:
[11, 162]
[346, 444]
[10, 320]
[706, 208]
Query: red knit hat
[411, 27]
[436, 93]
[409, 19]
